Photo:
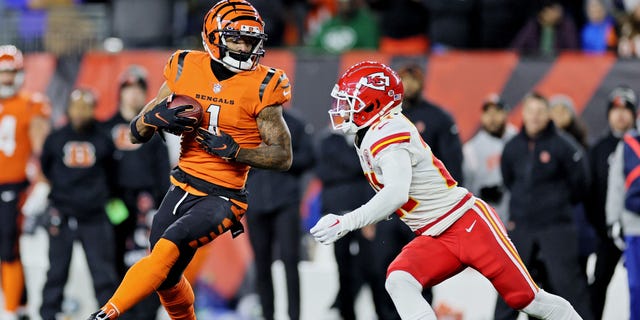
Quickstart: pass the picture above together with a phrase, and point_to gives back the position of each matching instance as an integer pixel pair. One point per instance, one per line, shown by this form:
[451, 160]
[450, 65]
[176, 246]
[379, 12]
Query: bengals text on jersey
[231, 105]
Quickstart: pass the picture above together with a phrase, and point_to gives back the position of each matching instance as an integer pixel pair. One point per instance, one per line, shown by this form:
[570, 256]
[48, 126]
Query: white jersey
[435, 199]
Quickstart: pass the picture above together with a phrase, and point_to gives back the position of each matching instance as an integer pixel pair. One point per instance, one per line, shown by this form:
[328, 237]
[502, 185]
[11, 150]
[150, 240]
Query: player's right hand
[329, 229]
[160, 117]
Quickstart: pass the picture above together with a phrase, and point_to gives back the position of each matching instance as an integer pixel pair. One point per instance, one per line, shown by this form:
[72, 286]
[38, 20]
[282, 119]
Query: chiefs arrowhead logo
[376, 81]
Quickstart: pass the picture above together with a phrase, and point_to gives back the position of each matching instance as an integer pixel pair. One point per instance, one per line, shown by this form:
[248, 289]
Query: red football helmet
[363, 94]
[11, 61]
[239, 19]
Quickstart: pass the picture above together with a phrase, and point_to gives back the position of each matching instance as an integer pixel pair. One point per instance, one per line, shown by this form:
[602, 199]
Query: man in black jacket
[436, 126]
[142, 180]
[621, 115]
[546, 172]
[77, 160]
[274, 218]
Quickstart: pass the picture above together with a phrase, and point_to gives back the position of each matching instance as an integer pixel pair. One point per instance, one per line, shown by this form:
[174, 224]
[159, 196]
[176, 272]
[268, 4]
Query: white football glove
[37, 201]
[329, 229]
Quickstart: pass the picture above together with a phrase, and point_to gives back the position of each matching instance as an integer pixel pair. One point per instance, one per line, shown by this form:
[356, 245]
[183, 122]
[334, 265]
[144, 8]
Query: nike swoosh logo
[286, 93]
[162, 119]
[334, 224]
[224, 146]
[471, 226]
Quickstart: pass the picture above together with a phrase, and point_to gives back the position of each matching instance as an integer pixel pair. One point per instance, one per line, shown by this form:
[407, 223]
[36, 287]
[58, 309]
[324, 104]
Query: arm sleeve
[615, 186]
[577, 165]
[46, 158]
[277, 90]
[505, 167]
[396, 170]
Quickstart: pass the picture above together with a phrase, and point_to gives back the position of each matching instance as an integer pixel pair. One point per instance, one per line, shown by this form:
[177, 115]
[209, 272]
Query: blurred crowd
[535, 27]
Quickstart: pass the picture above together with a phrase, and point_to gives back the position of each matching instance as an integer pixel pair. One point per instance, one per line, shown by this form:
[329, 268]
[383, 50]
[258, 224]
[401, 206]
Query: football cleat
[99, 315]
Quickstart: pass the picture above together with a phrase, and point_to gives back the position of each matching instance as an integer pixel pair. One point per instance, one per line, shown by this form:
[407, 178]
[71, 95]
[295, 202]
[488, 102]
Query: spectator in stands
[599, 34]
[77, 160]
[622, 206]
[563, 115]
[449, 24]
[274, 219]
[353, 27]
[481, 165]
[149, 164]
[442, 134]
[545, 174]
[499, 21]
[344, 188]
[621, 113]
[548, 32]
[629, 41]
[403, 26]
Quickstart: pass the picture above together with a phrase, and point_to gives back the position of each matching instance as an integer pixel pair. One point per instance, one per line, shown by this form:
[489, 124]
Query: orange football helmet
[11, 60]
[239, 19]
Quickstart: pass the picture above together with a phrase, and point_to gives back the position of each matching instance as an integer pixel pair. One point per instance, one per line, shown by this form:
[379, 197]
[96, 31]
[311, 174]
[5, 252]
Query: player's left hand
[329, 229]
[220, 144]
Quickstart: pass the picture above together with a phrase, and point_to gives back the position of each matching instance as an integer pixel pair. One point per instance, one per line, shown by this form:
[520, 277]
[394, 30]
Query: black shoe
[99, 315]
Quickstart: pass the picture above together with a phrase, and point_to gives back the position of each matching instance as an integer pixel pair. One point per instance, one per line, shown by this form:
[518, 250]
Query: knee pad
[401, 280]
[549, 306]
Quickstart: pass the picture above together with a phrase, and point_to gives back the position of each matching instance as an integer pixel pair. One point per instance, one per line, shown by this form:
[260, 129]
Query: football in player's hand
[194, 112]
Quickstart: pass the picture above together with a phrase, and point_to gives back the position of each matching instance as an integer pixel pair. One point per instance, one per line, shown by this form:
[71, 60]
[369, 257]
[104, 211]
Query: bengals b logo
[120, 135]
[79, 154]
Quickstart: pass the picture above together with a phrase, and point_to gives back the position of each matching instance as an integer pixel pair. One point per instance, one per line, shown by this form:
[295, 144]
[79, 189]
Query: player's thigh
[201, 220]
[428, 260]
[488, 249]
[167, 213]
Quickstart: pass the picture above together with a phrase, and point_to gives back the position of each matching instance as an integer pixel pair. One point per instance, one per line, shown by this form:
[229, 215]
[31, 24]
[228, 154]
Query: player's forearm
[275, 157]
[396, 170]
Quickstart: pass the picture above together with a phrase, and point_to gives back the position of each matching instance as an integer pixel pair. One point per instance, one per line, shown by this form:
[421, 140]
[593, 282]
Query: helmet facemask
[231, 21]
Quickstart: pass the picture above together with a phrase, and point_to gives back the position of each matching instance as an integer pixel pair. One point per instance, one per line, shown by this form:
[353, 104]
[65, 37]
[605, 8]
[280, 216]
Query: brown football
[181, 100]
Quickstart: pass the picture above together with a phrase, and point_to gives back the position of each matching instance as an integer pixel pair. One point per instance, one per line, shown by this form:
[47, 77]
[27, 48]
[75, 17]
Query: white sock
[551, 307]
[406, 293]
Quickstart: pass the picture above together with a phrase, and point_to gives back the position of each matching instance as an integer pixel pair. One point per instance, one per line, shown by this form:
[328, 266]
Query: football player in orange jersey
[23, 127]
[242, 126]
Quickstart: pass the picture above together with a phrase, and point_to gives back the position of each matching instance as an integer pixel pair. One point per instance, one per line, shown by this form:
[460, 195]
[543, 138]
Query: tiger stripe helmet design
[11, 60]
[234, 18]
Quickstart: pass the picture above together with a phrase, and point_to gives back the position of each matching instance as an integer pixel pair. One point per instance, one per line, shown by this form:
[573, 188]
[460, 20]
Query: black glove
[161, 117]
[491, 194]
[219, 144]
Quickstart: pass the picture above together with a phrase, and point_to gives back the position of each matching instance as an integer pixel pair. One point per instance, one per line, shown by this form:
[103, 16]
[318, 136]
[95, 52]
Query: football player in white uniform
[455, 229]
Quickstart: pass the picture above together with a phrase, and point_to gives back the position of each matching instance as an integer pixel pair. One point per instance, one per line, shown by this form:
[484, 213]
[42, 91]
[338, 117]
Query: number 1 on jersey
[214, 114]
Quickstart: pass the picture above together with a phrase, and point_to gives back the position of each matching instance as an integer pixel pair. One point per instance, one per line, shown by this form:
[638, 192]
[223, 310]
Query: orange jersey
[232, 105]
[16, 114]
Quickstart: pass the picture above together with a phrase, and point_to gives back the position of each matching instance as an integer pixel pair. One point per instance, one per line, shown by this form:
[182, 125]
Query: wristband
[135, 133]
